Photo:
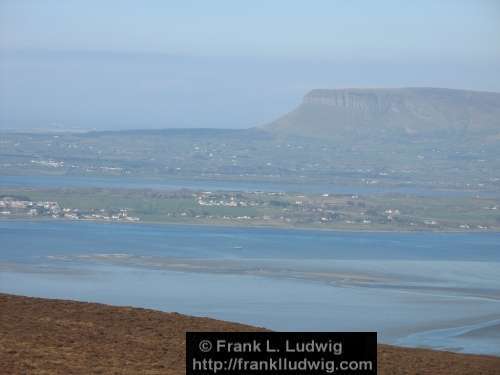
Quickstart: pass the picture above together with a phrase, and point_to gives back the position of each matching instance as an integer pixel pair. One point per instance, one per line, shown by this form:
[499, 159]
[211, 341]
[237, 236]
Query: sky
[231, 64]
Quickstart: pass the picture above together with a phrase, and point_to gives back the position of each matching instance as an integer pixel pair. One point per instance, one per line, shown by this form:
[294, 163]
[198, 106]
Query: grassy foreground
[42, 336]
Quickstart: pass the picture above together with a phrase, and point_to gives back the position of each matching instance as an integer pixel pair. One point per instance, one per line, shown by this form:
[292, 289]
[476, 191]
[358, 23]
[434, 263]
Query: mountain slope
[385, 113]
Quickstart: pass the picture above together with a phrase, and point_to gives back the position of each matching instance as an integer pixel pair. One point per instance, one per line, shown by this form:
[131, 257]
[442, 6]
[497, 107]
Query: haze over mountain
[408, 136]
[410, 113]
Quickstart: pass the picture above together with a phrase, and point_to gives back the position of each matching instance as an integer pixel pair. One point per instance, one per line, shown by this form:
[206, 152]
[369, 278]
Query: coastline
[149, 274]
[355, 289]
[246, 226]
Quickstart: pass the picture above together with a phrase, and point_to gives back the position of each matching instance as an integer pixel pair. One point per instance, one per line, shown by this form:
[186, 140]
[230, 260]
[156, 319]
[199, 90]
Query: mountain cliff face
[402, 112]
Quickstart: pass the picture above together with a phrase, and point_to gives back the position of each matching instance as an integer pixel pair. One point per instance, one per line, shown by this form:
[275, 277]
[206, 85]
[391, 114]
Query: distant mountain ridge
[359, 137]
[399, 112]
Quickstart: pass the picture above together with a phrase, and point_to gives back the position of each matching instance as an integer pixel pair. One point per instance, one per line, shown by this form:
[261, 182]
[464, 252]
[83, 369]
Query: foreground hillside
[41, 336]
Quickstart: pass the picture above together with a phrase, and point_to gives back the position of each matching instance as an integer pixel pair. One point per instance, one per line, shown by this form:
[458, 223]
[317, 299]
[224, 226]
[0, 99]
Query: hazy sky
[130, 64]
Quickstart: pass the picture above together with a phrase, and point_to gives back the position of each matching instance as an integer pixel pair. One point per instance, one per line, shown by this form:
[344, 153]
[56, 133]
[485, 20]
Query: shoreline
[230, 226]
[62, 336]
[422, 328]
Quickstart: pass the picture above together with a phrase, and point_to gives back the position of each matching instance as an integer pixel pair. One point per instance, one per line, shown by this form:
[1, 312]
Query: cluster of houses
[11, 206]
[223, 200]
[49, 163]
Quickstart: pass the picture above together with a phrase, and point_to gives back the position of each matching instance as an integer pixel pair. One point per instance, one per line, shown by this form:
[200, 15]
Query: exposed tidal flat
[438, 290]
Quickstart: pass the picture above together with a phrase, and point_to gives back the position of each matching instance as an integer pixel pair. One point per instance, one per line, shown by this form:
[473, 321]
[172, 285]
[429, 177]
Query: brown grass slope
[42, 336]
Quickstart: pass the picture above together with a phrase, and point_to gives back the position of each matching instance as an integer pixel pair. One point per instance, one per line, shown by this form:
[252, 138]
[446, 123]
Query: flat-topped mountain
[437, 137]
[399, 112]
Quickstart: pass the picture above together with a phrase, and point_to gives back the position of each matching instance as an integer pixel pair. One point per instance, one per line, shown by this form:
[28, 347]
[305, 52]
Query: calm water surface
[425, 289]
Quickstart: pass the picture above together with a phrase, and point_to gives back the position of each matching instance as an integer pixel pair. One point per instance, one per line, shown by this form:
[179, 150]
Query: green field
[393, 213]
